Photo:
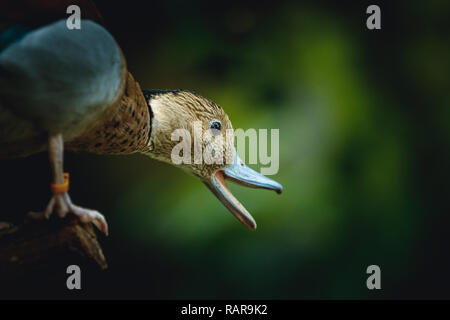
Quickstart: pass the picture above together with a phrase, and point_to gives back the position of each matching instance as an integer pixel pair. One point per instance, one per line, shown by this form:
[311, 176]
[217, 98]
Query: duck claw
[62, 204]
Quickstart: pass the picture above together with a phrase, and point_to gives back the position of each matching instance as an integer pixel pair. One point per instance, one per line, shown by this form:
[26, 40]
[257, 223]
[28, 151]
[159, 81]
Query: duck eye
[215, 124]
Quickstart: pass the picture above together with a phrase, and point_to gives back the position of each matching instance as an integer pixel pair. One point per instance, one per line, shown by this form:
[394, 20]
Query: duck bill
[239, 173]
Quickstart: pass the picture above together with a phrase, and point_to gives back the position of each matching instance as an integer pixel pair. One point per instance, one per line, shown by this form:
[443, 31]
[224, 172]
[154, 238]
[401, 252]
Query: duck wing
[59, 80]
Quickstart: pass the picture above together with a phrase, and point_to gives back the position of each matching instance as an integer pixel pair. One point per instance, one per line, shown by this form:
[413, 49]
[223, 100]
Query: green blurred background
[364, 119]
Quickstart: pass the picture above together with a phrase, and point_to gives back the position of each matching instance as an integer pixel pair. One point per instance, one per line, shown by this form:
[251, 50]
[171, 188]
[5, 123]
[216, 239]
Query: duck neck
[123, 128]
[163, 119]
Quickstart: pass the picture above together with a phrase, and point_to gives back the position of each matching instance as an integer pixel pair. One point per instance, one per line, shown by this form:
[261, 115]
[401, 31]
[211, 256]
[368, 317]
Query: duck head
[188, 124]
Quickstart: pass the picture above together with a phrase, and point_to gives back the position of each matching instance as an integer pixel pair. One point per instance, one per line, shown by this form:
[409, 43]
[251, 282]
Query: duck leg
[60, 201]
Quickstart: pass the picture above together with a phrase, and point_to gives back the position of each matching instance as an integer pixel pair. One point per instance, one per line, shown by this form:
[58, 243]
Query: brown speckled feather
[123, 128]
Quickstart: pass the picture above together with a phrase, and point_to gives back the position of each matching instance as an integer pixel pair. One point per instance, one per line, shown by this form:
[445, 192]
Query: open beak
[238, 172]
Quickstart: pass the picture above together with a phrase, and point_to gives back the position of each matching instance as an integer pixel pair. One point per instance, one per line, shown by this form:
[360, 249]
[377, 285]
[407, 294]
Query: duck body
[57, 80]
[63, 89]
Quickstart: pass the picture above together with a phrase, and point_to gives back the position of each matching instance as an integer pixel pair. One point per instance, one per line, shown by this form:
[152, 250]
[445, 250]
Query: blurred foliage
[363, 118]
[350, 198]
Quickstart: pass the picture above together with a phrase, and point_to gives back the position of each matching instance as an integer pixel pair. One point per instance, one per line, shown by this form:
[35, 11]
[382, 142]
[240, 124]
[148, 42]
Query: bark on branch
[42, 248]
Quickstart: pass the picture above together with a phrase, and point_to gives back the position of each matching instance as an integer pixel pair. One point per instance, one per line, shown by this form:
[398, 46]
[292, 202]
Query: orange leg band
[61, 188]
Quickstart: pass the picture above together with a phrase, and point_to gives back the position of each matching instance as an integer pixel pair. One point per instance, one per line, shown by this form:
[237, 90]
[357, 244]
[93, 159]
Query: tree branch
[40, 248]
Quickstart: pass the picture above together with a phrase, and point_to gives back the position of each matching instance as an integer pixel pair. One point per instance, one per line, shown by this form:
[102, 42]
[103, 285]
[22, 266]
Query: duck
[70, 90]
